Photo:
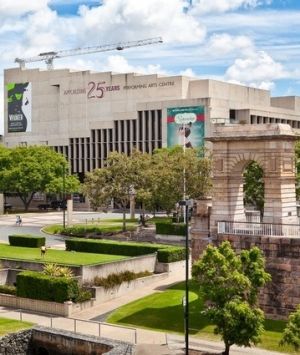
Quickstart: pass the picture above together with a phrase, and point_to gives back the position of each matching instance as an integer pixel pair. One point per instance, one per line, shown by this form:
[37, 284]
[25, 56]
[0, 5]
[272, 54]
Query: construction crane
[48, 57]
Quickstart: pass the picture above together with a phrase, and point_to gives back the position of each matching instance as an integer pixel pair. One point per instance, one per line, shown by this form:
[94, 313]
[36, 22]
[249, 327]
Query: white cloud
[136, 19]
[118, 64]
[223, 44]
[188, 72]
[257, 70]
[16, 8]
[204, 6]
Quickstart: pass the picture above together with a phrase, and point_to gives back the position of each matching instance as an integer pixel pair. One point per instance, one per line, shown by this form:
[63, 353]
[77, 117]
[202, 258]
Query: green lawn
[164, 312]
[56, 256]
[104, 225]
[11, 326]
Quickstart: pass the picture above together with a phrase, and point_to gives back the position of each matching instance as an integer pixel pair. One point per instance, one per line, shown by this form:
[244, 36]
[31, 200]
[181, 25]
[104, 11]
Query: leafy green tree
[175, 171]
[27, 170]
[254, 187]
[230, 285]
[291, 334]
[116, 181]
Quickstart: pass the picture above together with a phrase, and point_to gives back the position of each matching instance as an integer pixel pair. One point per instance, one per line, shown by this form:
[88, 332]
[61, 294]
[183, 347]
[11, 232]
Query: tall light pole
[186, 204]
[64, 197]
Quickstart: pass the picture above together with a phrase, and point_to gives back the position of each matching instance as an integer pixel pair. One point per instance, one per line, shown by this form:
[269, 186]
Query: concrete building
[86, 115]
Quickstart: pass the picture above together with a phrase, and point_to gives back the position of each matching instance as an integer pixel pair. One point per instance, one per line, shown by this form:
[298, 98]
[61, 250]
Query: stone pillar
[1, 203]
[69, 212]
[200, 227]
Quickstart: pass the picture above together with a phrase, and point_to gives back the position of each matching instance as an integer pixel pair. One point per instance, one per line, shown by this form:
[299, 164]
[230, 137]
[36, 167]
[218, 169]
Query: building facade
[85, 115]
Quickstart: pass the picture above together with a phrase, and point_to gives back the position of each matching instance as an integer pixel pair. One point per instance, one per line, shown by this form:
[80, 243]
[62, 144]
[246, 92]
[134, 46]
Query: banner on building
[185, 126]
[19, 107]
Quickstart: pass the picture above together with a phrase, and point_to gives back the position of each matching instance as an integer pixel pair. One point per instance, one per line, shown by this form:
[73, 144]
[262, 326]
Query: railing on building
[258, 229]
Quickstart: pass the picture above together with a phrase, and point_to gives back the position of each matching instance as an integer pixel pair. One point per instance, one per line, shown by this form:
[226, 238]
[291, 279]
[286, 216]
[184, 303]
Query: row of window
[88, 153]
[263, 120]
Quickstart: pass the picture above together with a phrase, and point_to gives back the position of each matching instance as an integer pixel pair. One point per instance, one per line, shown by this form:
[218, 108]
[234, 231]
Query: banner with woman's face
[185, 126]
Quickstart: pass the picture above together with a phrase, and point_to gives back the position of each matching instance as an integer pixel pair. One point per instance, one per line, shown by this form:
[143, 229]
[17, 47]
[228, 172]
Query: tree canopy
[156, 180]
[27, 170]
[230, 285]
[291, 334]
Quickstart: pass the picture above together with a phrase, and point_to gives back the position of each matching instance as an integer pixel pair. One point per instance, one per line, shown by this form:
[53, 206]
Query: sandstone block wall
[282, 294]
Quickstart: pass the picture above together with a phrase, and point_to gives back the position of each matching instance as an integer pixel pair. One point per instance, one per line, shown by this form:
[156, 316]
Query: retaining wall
[282, 295]
[134, 264]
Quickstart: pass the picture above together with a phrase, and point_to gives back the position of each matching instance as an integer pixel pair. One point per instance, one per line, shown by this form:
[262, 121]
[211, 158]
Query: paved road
[33, 222]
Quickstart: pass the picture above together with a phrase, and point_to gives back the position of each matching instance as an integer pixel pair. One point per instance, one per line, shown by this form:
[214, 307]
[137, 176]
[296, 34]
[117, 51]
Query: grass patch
[56, 256]
[161, 219]
[164, 312]
[10, 326]
[101, 226]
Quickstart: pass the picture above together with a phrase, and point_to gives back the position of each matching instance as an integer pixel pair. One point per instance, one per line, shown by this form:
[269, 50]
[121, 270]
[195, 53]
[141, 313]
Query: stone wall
[42, 340]
[16, 343]
[282, 294]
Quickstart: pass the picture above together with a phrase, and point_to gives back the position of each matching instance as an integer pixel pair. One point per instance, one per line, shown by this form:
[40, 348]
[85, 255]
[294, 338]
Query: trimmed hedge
[26, 240]
[170, 229]
[171, 254]
[164, 252]
[35, 285]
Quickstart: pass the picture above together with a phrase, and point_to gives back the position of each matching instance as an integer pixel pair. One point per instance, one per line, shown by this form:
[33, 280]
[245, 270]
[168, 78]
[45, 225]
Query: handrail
[258, 229]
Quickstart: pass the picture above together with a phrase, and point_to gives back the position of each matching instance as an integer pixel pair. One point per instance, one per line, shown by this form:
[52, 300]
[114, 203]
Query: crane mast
[48, 57]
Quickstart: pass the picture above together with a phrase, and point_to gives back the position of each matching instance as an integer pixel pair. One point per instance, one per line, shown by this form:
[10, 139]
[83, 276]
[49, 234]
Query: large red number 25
[95, 91]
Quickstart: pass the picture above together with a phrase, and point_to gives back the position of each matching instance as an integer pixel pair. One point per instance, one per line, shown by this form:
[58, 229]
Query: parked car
[56, 204]
[7, 207]
[44, 206]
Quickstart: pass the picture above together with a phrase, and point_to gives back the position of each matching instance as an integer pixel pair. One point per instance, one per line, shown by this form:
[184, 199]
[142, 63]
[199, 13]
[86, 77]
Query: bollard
[99, 329]
[21, 316]
[135, 337]
[74, 325]
[51, 322]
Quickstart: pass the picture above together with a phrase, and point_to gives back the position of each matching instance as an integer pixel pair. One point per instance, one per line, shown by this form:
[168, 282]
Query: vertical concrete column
[1, 203]
[69, 212]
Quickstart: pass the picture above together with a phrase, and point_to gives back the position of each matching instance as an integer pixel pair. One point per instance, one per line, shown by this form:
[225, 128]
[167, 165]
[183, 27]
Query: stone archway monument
[272, 147]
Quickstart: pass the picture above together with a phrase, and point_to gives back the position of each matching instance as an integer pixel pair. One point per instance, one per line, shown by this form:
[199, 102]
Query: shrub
[110, 247]
[36, 285]
[114, 280]
[171, 229]
[9, 290]
[27, 240]
[57, 271]
[171, 254]
[126, 248]
[83, 295]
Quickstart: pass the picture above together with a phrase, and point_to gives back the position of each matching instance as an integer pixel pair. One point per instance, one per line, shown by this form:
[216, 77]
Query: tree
[117, 181]
[176, 170]
[254, 187]
[291, 334]
[230, 285]
[27, 170]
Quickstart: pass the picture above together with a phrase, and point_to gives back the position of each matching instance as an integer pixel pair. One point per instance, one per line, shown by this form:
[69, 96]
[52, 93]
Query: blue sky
[251, 42]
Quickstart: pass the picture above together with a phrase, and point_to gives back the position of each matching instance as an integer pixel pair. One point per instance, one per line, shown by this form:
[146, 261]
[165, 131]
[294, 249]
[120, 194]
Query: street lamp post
[187, 204]
[64, 197]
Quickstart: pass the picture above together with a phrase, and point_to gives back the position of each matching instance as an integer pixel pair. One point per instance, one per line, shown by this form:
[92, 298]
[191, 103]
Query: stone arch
[272, 147]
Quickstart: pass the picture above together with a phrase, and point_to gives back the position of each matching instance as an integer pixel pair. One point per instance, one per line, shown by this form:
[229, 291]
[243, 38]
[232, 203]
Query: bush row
[164, 252]
[170, 229]
[32, 284]
[114, 280]
[7, 289]
[26, 240]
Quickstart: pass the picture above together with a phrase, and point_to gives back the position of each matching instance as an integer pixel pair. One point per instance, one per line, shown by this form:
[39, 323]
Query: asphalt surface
[32, 223]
